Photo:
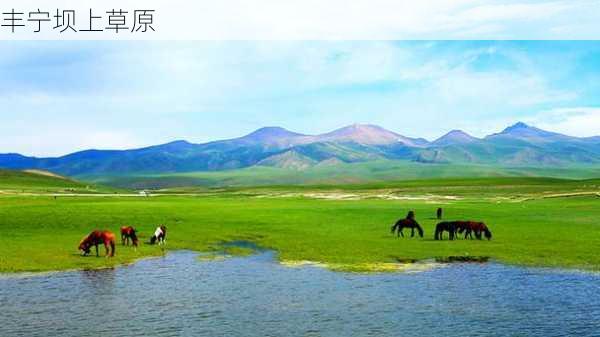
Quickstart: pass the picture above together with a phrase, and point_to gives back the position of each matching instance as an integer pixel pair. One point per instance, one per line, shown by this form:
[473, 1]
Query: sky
[58, 97]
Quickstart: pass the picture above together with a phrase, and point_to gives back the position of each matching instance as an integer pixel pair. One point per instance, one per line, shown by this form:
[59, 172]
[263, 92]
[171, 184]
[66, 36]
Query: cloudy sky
[57, 97]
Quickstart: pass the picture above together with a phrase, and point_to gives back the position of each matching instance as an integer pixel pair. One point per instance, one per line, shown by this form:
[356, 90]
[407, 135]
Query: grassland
[535, 222]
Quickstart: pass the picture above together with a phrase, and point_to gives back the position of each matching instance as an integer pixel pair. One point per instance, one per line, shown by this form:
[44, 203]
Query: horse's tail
[134, 238]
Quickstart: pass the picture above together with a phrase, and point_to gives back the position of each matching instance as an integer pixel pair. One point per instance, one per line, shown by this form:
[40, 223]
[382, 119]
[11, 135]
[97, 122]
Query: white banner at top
[298, 20]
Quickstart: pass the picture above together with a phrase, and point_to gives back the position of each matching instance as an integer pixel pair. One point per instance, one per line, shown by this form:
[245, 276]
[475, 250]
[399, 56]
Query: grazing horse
[438, 213]
[98, 237]
[128, 233]
[160, 235]
[469, 227]
[407, 223]
[448, 226]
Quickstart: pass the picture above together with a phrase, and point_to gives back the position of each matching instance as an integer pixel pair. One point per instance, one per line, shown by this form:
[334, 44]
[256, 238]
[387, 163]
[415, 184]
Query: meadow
[535, 222]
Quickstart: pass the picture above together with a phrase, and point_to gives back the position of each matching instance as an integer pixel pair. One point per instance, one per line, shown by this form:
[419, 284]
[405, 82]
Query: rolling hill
[517, 146]
[37, 181]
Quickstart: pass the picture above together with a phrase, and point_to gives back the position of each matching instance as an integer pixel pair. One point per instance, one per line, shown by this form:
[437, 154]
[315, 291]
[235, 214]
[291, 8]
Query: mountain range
[519, 145]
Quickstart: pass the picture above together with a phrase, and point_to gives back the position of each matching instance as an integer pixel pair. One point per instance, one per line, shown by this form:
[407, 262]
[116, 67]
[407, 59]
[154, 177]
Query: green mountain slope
[44, 182]
[382, 171]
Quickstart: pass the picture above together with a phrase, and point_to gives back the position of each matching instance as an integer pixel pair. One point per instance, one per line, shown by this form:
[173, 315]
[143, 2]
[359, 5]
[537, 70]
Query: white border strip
[325, 19]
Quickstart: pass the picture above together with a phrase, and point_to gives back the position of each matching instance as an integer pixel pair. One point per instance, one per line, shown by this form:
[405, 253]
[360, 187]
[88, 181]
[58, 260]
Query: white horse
[160, 235]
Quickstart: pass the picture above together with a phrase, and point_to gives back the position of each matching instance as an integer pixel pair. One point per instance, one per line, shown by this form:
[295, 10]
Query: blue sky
[57, 97]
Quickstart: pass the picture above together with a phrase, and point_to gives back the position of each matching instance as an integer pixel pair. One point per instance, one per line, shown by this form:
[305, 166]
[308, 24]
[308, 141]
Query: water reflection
[253, 296]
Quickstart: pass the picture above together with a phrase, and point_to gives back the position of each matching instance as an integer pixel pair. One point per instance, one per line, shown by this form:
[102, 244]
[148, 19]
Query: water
[254, 296]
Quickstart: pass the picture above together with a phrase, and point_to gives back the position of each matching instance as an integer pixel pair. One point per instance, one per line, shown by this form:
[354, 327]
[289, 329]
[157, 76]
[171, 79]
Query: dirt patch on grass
[361, 196]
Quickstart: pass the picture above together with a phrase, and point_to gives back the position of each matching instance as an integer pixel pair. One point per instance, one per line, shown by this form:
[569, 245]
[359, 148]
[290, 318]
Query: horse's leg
[400, 232]
[96, 250]
[412, 232]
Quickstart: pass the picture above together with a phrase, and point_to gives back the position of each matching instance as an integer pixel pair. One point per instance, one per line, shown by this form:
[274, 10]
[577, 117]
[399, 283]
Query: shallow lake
[177, 295]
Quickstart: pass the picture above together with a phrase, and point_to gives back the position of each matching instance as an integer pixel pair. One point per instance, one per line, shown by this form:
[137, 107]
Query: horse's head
[486, 232]
[84, 247]
[418, 227]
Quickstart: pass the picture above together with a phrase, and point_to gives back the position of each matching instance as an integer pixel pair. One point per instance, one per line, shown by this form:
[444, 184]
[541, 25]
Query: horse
[438, 213]
[407, 223]
[127, 233]
[160, 235]
[469, 227]
[98, 237]
[448, 226]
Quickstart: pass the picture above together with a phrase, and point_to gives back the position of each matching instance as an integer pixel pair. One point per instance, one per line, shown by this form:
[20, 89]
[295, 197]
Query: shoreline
[364, 268]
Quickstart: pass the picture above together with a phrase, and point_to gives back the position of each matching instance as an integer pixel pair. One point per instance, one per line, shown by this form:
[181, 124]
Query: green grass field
[535, 222]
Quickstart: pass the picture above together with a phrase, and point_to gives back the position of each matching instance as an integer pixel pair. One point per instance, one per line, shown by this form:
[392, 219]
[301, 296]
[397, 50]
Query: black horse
[407, 223]
[446, 226]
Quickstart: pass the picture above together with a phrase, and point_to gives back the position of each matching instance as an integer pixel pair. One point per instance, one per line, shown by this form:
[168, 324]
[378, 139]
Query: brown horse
[407, 223]
[98, 237]
[128, 233]
[469, 227]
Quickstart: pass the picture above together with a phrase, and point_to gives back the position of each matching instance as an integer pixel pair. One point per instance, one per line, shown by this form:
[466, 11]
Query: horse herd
[107, 238]
[452, 227]
[128, 233]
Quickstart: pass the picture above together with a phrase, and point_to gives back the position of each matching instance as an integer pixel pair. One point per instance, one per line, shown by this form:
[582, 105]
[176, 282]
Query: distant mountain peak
[178, 142]
[369, 134]
[454, 137]
[273, 136]
[271, 132]
[359, 128]
[457, 132]
[529, 133]
[519, 127]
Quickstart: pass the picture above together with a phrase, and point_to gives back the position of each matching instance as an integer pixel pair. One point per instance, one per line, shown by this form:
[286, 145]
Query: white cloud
[575, 121]
[139, 93]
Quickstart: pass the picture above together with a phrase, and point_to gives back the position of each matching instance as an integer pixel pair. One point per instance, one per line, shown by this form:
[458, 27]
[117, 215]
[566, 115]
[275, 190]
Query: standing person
[439, 213]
